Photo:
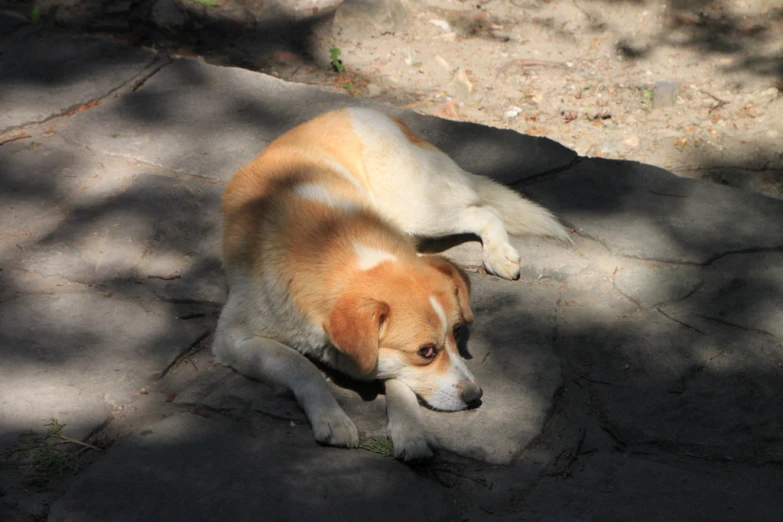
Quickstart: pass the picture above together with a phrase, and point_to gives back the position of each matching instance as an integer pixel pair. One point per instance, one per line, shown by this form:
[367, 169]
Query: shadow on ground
[110, 276]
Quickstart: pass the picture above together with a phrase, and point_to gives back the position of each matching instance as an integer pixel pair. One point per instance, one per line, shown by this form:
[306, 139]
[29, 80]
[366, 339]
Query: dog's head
[402, 320]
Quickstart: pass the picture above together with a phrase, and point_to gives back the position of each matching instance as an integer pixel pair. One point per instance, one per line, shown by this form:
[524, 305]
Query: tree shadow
[712, 27]
[707, 381]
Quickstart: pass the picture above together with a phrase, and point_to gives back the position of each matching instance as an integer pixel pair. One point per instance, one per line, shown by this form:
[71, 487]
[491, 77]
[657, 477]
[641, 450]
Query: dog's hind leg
[267, 360]
[406, 423]
[500, 258]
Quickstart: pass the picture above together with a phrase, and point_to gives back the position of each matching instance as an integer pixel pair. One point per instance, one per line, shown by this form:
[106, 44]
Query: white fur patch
[317, 192]
[370, 257]
[441, 314]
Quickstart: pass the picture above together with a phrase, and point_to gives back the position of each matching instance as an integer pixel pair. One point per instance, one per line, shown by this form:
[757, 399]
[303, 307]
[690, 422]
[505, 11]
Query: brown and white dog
[318, 250]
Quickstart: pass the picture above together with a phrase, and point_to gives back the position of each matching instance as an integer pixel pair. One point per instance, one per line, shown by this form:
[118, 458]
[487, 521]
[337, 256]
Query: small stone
[608, 148]
[373, 90]
[512, 112]
[410, 57]
[447, 37]
[632, 141]
[461, 86]
[663, 94]
[441, 61]
[441, 24]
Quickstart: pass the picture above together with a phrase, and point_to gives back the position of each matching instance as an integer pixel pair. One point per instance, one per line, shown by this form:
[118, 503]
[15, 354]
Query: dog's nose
[472, 393]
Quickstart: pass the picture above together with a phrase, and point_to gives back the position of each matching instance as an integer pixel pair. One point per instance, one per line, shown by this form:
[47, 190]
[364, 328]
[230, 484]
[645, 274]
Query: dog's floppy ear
[460, 279]
[354, 327]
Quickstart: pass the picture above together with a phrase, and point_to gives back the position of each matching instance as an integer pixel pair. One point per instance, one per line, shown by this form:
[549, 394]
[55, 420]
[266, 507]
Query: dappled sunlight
[652, 343]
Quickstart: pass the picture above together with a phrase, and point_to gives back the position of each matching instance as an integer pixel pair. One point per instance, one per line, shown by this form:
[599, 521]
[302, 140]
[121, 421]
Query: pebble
[632, 141]
[447, 37]
[373, 90]
[512, 112]
[460, 85]
[441, 61]
[663, 94]
[441, 24]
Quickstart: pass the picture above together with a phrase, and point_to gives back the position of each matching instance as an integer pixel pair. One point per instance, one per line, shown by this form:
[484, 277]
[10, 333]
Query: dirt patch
[694, 87]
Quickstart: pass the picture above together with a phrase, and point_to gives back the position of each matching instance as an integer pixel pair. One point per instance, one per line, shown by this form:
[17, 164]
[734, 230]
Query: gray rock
[643, 212]
[159, 228]
[185, 119]
[666, 379]
[373, 90]
[742, 290]
[620, 487]
[649, 284]
[187, 467]
[47, 74]
[78, 356]
[9, 24]
[222, 389]
[663, 94]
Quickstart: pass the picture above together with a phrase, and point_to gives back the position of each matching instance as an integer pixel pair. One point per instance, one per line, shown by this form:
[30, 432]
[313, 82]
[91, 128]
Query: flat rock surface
[46, 75]
[283, 476]
[619, 487]
[681, 221]
[644, 358]
[77, 356]
[187, 119]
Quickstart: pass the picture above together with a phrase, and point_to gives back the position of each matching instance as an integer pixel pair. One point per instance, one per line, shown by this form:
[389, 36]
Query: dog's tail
[521, 216]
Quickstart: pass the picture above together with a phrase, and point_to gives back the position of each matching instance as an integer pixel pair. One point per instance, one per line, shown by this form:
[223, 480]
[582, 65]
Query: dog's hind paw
[411, 444]
[503, 261]
[336, 429]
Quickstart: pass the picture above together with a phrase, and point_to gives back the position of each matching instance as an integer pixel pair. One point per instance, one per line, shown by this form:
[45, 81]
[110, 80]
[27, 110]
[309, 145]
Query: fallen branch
[720, 104]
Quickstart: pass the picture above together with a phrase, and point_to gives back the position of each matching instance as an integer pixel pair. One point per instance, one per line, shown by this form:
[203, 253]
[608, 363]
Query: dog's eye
[457, 331]
[428, 352]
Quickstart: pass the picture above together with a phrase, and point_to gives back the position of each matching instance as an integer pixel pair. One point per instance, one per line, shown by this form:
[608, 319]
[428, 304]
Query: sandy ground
[696, 91]
[694, 87]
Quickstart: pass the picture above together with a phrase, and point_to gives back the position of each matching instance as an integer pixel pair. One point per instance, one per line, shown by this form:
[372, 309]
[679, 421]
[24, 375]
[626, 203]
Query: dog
[319, 252]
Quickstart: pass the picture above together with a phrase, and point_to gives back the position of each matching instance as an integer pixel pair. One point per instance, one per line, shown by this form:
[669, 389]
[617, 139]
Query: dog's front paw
[336, 429]
[503, 261]
[411, 443]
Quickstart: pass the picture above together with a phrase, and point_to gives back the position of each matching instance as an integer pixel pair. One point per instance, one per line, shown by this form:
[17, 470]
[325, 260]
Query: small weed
[680, 144]
[379, 445]
[115, 135]
[647, 102]
[416, 64]
[36, 16]
[206, 3]
[348, 86]
[337, 63]
[43, 455]
[719, 177]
